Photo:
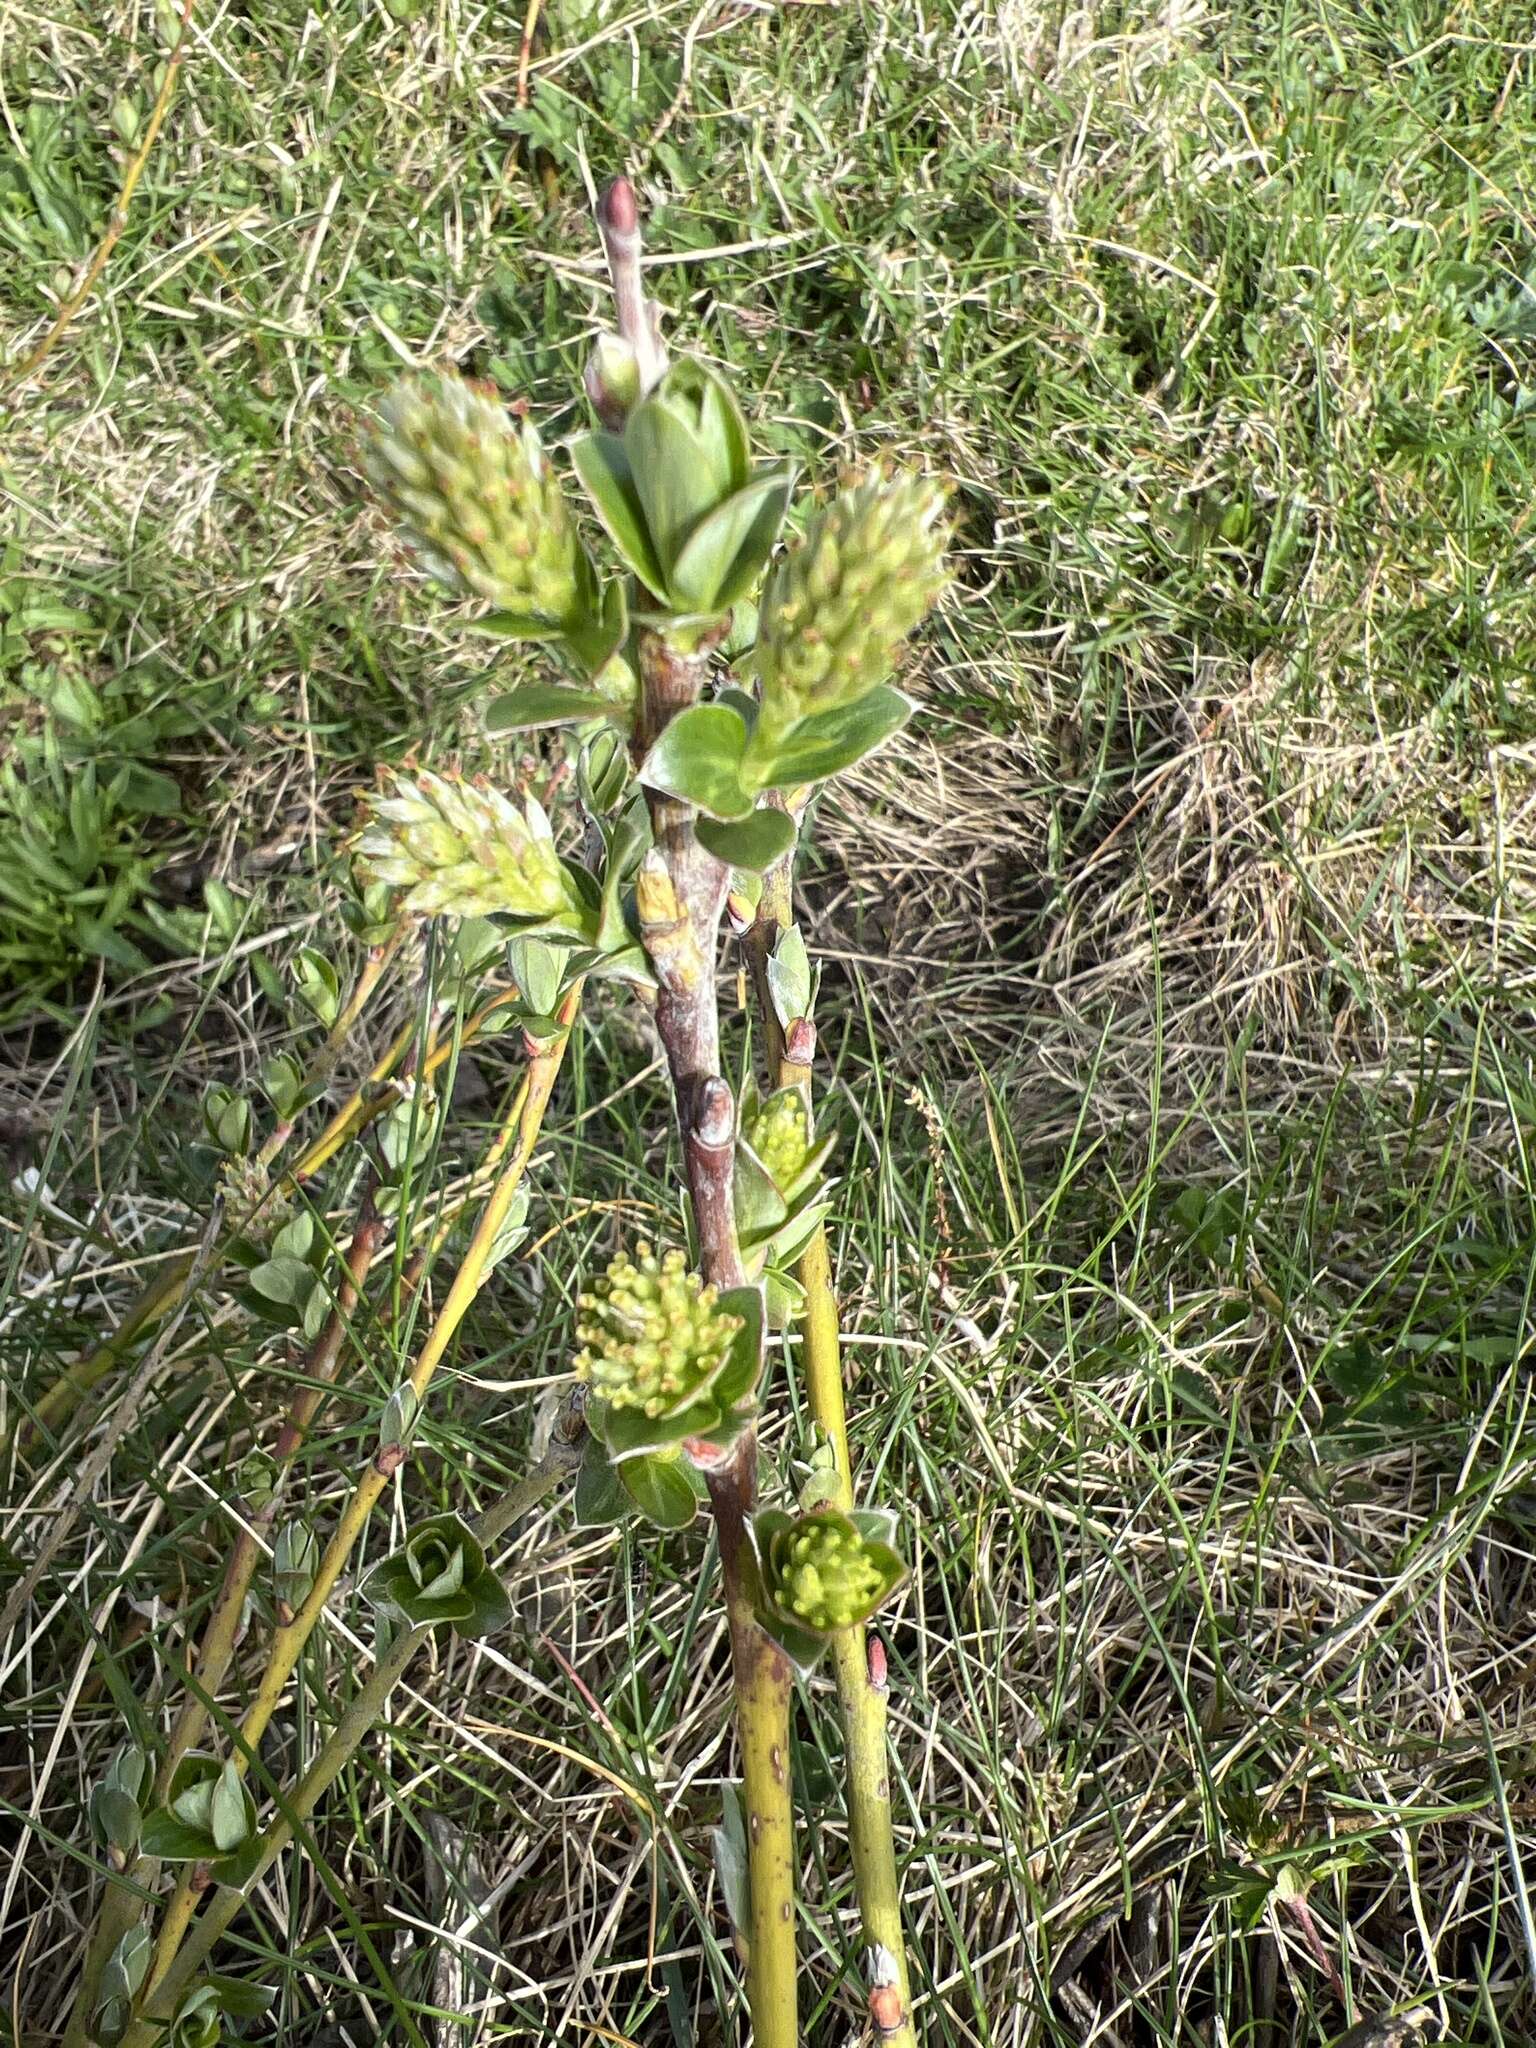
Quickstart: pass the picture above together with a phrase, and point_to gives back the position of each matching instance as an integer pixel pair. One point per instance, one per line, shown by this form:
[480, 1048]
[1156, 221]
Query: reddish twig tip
[617, 210]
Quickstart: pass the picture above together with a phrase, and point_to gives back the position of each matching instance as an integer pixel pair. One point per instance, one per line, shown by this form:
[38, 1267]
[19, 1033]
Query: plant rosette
[209, 1817]
[780, 1193]
[820, 1572]
[439, 1575]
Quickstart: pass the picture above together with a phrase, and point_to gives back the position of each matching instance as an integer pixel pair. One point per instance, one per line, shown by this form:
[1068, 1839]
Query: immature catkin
[653, 1334]
[838, 607]
[475, 497]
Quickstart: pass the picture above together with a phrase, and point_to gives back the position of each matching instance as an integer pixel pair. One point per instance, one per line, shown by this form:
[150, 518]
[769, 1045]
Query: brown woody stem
[680, 900]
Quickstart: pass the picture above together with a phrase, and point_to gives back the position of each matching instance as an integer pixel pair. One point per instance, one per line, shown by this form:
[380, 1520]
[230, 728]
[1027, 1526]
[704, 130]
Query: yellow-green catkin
[475, 497]
[839, 606]
[653, 1333]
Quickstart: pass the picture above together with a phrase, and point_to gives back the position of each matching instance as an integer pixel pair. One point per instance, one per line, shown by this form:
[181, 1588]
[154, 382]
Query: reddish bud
[879, 1676]
[887, 2010]
[716, 1124]
[388, 1460]
[616, 210]
[800, 1042]
[740, 915]
[707, 1457]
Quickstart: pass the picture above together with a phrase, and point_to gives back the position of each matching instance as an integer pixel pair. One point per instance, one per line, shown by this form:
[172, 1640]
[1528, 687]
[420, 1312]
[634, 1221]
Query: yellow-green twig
[861, 1692]
[354, 1724]
[288, 1640]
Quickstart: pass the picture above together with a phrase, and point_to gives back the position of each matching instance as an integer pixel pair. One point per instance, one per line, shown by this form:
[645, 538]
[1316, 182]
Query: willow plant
[712, 682]
[707, 680]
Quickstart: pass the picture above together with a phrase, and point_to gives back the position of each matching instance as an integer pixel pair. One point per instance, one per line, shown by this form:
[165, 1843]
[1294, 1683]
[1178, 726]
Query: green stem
[339, 1748]
[164, 1294]
[861, 1694]
[288, 1641]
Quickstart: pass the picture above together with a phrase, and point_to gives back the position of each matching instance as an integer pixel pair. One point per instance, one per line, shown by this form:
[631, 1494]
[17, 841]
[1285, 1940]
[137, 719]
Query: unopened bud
[715, 1126]
[656, 901]
[612, 380]
[617, 210]
[800, 1042]
[706, 1456]
[740, 915]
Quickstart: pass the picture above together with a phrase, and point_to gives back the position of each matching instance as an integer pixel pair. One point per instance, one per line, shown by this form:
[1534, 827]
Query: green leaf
[760, 1208]
[128, 1964]
[687, 446]
[600, 630]
[797, 1233]
[726, 551]
[237, 1871]
[96, 936]
[116, 1816]
[506, 625]
[754, 842]
[238, 1999]
[789, 977]
[536, 704]
[743, 1369]
[226, 1811]
[537, 968]
[149, 793]
[601, 1496]
[628, 1433]
[803, 1649]
[722, 421]
[783, 1298]
[660, 1490]
[602, 463]
[698, 758]
[490, 1609]
[296, 1239]
[172, 1840]
[877, 1525]
[109, 2022]
[729, 1842]
[286, 1281]
[827, 742]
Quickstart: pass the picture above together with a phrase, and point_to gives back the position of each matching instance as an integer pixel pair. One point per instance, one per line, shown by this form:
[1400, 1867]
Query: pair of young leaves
[696, 523]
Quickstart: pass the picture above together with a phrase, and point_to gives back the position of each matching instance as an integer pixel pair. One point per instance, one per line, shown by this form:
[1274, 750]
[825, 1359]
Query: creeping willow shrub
[705, 680]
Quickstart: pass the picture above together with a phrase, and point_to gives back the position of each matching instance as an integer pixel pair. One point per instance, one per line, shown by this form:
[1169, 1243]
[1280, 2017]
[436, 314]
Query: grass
[1178, 977]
